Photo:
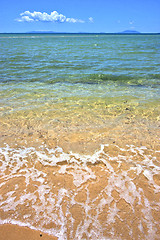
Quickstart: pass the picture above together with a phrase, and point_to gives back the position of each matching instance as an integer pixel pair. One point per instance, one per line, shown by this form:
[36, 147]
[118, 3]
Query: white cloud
[25, 19]
[28, 16]
[91, 20]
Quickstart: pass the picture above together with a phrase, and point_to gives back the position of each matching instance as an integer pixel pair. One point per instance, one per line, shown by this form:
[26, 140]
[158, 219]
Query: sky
[108, 16]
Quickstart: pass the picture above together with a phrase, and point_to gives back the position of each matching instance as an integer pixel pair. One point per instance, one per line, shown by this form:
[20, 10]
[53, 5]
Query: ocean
[79, 134]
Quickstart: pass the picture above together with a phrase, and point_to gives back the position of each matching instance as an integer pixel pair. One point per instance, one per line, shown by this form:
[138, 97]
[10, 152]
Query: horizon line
[52, 32]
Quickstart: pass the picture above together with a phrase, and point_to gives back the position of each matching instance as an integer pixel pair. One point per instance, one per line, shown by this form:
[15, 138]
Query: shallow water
[79, 134]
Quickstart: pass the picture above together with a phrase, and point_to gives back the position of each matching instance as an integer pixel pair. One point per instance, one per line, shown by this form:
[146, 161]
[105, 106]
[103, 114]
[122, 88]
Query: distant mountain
[130, 32]
[92, 33]
[41, 32]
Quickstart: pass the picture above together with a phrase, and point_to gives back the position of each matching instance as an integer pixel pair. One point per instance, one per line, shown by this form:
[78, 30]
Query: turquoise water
[52, 67]
[77, 58]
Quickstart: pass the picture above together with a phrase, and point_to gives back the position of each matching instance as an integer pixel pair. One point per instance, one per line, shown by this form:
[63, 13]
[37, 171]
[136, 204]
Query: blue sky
[79, 15]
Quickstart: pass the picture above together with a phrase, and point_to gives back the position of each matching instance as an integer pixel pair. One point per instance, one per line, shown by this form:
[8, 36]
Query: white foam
[46, 206]
[148, 175]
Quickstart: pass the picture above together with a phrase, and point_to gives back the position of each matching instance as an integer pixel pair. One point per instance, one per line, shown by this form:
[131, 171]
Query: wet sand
[15, 232]
[113, 198]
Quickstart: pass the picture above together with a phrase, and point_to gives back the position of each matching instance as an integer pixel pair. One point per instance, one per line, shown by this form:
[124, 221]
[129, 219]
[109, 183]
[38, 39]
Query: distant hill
[41, 32]
[93, 33]
[130, 32]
